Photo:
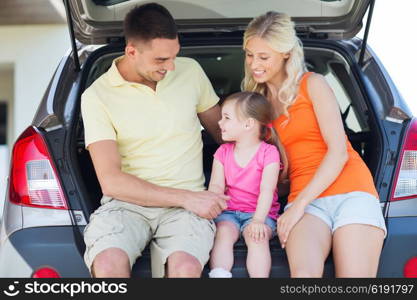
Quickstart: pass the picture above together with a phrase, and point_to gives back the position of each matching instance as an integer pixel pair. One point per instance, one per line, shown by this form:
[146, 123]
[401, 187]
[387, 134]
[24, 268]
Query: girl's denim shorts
[242, 219]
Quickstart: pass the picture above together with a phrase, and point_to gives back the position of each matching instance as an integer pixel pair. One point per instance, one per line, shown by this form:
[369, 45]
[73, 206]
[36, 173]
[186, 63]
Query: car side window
[345, 103]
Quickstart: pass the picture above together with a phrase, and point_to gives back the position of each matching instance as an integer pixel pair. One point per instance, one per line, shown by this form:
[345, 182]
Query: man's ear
[130, 50]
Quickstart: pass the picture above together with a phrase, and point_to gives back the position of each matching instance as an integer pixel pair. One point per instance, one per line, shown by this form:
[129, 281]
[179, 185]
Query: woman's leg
[356, 250]
[308, 246]
[258, 260]
[222, 253]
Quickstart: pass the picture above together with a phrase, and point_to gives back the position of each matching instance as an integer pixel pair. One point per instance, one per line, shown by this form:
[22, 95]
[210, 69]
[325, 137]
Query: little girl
[246, 169]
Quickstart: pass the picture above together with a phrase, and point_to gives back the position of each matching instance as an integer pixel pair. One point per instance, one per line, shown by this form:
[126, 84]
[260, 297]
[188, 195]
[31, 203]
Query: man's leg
[183, 265]
[112, 262]
[182, 244]
[114, 238]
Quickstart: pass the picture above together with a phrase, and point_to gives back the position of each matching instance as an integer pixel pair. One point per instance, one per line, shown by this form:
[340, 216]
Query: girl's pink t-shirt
[243, 184]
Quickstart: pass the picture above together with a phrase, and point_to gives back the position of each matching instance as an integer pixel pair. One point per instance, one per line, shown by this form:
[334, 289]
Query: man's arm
[126, 187]
[209, 119]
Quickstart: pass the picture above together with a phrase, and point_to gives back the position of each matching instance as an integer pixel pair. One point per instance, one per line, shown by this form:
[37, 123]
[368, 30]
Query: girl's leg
[308, 246]
[258, 260]
[222, 253]
[356, 250]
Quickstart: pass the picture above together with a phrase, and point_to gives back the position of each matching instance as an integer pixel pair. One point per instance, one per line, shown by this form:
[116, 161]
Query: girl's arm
[217, 179]
[331, 127]
[267, 188]
[257, 229]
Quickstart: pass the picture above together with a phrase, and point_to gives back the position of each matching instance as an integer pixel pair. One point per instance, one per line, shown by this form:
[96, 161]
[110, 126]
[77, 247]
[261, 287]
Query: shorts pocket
[103, 223]
[203, 221]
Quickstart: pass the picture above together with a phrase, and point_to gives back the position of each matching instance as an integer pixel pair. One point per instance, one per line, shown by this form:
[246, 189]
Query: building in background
[33, 39]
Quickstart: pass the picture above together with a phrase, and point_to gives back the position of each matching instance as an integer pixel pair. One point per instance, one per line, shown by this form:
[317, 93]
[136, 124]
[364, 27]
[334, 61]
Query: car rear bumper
[29, 249]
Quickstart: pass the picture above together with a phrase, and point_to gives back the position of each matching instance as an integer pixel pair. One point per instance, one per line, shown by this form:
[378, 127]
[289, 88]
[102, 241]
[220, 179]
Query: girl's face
[232, 126]
[265, 64]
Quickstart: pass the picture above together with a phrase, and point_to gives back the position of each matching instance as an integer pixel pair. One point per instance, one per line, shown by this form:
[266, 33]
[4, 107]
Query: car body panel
[36, 247]
[336, 19]
[12, 262]
[12, 219]
[400, 245]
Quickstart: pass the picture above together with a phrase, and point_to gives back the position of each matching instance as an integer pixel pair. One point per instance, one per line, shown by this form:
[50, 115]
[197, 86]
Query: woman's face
[265, 64]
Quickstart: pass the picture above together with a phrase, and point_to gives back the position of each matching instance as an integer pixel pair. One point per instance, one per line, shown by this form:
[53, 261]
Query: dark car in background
[53, 189]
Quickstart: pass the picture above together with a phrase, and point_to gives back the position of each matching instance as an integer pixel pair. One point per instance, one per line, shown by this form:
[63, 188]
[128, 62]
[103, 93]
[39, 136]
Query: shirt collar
[116, 78]
[114, 75]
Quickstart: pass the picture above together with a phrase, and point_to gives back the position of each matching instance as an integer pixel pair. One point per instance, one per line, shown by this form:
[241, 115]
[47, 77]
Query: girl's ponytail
[269, 135]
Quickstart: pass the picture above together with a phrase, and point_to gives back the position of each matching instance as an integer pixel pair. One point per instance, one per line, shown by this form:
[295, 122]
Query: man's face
[154, 58]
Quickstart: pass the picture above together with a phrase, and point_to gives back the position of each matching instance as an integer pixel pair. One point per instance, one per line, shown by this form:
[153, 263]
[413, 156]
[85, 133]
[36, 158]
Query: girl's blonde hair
[256, 106]
[278, 31]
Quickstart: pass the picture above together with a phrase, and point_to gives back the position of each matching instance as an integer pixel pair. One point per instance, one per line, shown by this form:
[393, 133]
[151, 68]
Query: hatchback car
[53, 188]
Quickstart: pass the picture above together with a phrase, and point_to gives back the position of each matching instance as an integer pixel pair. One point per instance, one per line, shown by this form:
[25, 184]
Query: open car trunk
[224, 67]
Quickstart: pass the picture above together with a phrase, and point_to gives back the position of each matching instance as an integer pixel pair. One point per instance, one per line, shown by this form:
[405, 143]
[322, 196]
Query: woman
[333, 203]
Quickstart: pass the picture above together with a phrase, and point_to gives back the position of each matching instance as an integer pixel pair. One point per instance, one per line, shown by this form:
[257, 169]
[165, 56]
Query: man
[142, 129]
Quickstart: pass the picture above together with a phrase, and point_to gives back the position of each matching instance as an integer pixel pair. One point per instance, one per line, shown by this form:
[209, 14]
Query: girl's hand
[287, 221]
[258, 231]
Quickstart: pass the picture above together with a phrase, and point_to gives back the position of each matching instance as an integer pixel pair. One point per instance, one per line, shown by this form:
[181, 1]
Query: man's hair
[149, 21]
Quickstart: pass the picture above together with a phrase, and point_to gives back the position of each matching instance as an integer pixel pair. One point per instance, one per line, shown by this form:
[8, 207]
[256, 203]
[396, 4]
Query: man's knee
[182, 264]
[112, 262]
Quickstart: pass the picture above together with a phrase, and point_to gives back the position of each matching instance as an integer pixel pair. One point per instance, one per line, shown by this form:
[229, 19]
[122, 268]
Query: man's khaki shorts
[130, 227]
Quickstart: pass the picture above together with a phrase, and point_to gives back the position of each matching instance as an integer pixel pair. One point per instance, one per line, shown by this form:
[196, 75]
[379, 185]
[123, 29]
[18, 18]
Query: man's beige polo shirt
[158, 132]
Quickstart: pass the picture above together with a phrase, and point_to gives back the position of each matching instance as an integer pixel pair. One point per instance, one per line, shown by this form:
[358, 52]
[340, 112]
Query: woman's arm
[331, 127]
[330, 122]
[217, 180]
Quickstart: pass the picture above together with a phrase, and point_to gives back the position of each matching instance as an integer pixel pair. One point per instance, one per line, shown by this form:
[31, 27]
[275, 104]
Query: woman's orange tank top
[305, 148]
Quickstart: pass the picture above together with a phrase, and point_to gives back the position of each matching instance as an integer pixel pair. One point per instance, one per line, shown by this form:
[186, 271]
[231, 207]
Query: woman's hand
[257, 230]
[287, 221]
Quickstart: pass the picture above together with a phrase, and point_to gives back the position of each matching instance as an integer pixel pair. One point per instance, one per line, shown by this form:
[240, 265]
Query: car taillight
[410, 268]
[45, 272]
[405, 183]
[33, 178]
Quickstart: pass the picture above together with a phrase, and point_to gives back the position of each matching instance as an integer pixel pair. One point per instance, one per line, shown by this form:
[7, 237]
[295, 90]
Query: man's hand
[258, 231]
[206, 204]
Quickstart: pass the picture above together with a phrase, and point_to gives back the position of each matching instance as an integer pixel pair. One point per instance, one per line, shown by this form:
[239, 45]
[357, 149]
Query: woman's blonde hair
[256, 106]
[278, 31]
